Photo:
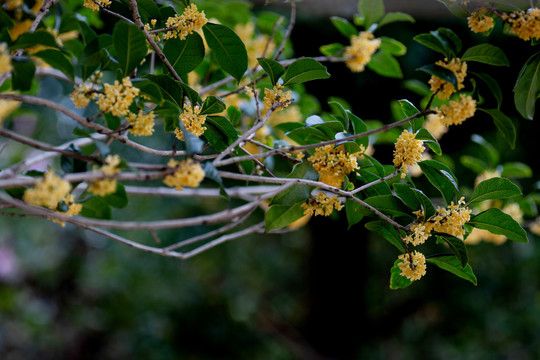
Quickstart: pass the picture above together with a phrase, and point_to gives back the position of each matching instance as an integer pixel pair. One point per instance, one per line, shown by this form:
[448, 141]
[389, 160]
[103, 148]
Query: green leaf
[492, 85]
[516, 170]
[72, 165]
[409, 110]
[303, 70]
[219, 132]
[527, 88]
[299, 192]
[385, 64]
[392, 46]
[405, 193]
[425, 135]
[340, 113]
[185, 55]
[358, 126]
[487, 54]
[504, 124]
[229, 50]
[234, 114]
[191, 94]
[394, 17]
[39, 37]
[367, 175]
[355, 212]
[272, 68]
[497, 222]
[453, 265]
[440, 72]
[388, 232]
[458, 248]
[148, 88]
[344, 26]
[473, 163]
[279, 216]
[437, 42]
[212, 105]
[57, 60]
[96, 207]
[371, 10]
[450, 38]
[149, 10]
[23, 73]
[389, 205]
[118, 199]
[427, 206]
[170, 89]
[494, 188]
[440, 176]
[330, 49]
[397, 281]
[170, 113]
[129, 45]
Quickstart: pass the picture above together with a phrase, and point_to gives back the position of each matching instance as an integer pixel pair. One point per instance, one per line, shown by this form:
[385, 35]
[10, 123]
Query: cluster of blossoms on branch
[525, 24]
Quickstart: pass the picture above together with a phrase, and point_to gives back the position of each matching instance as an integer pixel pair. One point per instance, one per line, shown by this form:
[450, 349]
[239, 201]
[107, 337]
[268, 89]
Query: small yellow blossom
[277, 97]
[102, 187]
[446, 89]
[322, 205]
[73, 209]
[5, 59]
[435, 126]
[192, 121]
[187, 173]
[413, 265]
[256, 45]
[190, 20]
[48, 192]
[408, 151]
[6, 108]
[91, 4]
[333, 163]
[84, 92]
[141, 124]
[524, 24]
[456, 112]
[362, 47]
[20, 28]
[480, 22]
[118, 97]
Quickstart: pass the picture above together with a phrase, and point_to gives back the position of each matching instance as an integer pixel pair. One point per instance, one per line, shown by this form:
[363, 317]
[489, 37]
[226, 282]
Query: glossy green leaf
[453, 265]
[424, 135]
[458, 248]
[440, 72]
[298, 192]
[340, 113]
[392, 46]
[388, 232]
[497, 222]
[39, 37]
[354, 212]
[170, 89]
[494, 188]
[450, 38]
[95, 207]
[409, 110]
[185, 55]
[437, 42]
[368, 175]
[344, 26]
[149, 89]
[229, 50]
[487, 54]
[330, 49]
[358, 126]
[57, 60]
[440, 176]
[219, 132]
[279, 216]
[389, 205]
[527, 88]
[371, 10]
[303, 70]
[385, 64]
[22, 73]
[212, 105]
[118, 199]
[234, 114]
[129, 44]
[504, 124]
[516, 170]
[192, 95]
[397, 281]
[395, 17]
[149, 10]
[405, 193]
[272, 68]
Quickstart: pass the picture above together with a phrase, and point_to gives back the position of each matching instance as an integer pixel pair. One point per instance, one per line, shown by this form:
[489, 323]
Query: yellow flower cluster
[362, 47]
[91, 4]
[190, 20]
[456, 112]
[413, 265]
[277, 97]
[322, 205]
[187, 173]
[192, 121]
[480, 22]
[256, 45]
[333, 163]
[73, 209]
[48, 192]
[446, 89]
[118, 97]
[13, 4]
[524, 24]
[408, 151]
[5, 59]
[85, 92]
[6, 108]
[141, 124]
[102, 187]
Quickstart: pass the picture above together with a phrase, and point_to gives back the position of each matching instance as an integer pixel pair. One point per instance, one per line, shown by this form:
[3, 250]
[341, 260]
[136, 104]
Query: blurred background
[318, 293]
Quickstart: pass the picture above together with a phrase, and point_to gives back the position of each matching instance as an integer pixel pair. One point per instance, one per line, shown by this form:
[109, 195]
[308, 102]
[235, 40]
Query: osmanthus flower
[480, 21]
[91, 4]
[102, 187]
[412, 265]
[187, 173]
[5, 59]
[278, 97]
[73, 208]
[141, 124]
[192, 120]
[84, 92]
[48, 192]
[443, 88]
[333, 163]
[408, 151]
[525, 24]
[190, 20]
[322, 205]
[362, 47]
[256, 45]
[457, 111]
[117, 98]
